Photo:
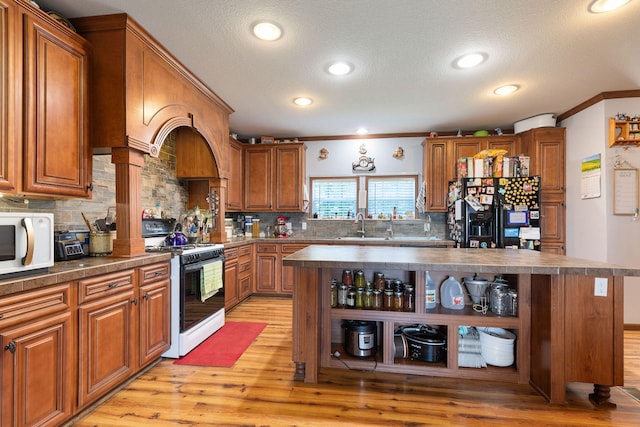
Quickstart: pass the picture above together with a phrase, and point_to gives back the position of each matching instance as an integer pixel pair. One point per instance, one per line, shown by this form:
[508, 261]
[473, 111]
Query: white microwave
[26, 243]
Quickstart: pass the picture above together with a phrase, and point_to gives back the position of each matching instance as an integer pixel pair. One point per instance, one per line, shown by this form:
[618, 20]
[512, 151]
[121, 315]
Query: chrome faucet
[360, 217]
[390, 229]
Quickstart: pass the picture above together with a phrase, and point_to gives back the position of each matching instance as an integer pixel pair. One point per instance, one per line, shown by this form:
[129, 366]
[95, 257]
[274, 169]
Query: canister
[101, 243]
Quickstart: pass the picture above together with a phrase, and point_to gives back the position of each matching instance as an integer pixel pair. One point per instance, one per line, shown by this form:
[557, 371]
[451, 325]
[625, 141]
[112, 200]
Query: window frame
[335, 178]
[415, 177]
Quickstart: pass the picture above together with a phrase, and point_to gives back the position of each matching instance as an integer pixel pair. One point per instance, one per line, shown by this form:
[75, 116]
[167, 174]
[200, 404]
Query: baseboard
[632, 326]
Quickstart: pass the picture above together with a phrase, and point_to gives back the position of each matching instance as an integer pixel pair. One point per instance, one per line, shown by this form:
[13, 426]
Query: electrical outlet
[304, 226]
[600, 287]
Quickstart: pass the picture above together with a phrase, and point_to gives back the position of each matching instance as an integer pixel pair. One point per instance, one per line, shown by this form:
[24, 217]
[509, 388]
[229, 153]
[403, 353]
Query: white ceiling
[560, 54]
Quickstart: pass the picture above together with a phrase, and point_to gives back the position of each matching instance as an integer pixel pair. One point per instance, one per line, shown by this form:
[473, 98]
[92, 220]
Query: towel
[210, 280]
[421, 199]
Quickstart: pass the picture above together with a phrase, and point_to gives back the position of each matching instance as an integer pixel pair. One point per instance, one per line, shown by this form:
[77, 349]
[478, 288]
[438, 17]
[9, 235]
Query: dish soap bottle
[431, 291]
[451, 294]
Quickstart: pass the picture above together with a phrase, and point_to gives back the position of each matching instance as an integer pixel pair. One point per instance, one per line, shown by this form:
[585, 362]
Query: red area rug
[225, 346]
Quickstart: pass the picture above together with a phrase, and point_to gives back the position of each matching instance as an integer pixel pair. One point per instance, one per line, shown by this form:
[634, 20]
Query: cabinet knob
[146, 296]
[11, 347]
[134, 301]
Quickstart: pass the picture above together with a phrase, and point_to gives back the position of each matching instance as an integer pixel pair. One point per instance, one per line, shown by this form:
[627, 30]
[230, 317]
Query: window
[338, 197]
[384, 194]
[333, 197]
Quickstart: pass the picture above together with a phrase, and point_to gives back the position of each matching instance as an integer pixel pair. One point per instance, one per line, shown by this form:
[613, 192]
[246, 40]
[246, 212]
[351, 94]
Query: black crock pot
[425, 343]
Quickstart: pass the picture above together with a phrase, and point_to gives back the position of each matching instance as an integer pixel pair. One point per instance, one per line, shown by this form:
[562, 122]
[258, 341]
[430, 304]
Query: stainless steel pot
[360, 338]
[425, 343]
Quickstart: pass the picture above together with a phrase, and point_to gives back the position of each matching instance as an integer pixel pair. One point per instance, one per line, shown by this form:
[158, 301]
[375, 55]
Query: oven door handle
[198, 265]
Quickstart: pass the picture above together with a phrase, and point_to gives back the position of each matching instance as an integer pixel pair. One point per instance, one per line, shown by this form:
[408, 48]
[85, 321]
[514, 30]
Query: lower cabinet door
[107, 342]
[37, 372]
[155, 312]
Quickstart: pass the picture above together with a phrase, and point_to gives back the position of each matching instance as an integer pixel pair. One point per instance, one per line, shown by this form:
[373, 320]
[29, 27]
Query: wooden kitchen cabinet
[36, 335]
[108, 336]
[288, 278]
[235, 195]
[44, 128]
[274, 177]
[9, 149]
[268, 270]
[155, 311]
[546, 149]
[245, 272]
[230, 278]
[440, 157]
[238, 279]
[55, 104]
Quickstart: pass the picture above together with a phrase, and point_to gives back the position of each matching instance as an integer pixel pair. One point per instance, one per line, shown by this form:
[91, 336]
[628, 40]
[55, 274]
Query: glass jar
[359, 279]
[378, 280]
[409, 298]
[255, 228]
[359, 297]
[398, 301]
[387, 301]
[377, 299]
[351, 298]
[334, 293]
[347, 277]
[342, 295]
[368, 299]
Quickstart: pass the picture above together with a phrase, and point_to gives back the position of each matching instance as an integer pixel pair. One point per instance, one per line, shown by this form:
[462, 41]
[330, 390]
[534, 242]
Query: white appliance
[26, 243]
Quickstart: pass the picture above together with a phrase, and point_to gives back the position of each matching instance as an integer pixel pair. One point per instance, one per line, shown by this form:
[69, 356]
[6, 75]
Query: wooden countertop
[64, 271]
[499, 261]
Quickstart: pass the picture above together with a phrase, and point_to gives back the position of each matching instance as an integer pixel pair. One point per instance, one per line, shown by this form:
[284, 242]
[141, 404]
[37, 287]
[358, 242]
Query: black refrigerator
[495, 212]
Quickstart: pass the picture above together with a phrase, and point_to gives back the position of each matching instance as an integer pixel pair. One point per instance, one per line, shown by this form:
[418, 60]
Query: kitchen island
[567, 328]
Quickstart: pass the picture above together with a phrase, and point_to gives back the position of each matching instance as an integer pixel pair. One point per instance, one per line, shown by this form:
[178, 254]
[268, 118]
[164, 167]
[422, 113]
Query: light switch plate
[600, 288]
[304, 225]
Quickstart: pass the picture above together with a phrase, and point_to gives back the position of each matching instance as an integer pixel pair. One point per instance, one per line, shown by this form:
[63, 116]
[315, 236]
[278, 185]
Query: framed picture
[266, 140]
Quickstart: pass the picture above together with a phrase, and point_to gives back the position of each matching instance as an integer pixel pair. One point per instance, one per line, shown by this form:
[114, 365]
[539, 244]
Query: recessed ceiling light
[470, 60]
[601, 6]
[339, 68]
[267, 31]
[506, 90]
[362, 131]
[303, 101]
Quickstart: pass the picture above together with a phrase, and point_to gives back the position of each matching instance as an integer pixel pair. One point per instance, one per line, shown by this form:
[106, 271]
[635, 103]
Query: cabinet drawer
[101, 286]
[155, 272]
[34, 304]
[230, 254]
[244, 250]
[289, 248]
[244, 266]
[267, 247]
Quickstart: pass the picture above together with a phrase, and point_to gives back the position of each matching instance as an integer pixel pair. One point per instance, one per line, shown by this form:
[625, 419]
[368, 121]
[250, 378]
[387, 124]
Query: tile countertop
[499, 261]
[64, 271]
[367, 241]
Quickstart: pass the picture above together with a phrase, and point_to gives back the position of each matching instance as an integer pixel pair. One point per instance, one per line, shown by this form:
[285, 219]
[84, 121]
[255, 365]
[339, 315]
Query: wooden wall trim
[599, 97]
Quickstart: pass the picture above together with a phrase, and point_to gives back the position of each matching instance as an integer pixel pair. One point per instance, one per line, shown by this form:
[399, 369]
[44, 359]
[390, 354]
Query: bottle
[431, 291]
[255, 227]
[158, 213]
[451, 294]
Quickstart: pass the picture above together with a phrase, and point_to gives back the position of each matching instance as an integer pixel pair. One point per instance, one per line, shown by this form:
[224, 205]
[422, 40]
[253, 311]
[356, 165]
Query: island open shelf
[577, 336]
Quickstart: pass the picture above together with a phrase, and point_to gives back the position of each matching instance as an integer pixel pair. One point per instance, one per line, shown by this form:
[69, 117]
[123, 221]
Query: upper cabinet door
[234, 186]
[8, 106]
[55, 126]
[258, 166]
[290, 177]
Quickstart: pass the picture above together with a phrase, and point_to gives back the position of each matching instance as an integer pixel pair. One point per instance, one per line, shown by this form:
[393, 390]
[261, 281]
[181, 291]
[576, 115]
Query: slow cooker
[360, 338]
[425, 343]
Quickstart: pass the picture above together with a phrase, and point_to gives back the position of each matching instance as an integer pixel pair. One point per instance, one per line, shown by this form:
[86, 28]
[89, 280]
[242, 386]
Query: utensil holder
[101, 243]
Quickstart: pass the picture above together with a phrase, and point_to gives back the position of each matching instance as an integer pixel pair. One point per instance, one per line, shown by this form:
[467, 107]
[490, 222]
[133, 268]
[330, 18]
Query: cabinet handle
[11, 347]
[112, 285]
[146, 296]
[134, 301]
[90, 187]
[159, 273]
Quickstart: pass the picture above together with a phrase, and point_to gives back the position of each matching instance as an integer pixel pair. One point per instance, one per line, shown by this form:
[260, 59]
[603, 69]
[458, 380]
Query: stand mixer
[281, 227]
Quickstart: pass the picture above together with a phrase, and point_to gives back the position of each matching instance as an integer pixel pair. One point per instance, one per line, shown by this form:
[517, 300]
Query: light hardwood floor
[259, 391]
